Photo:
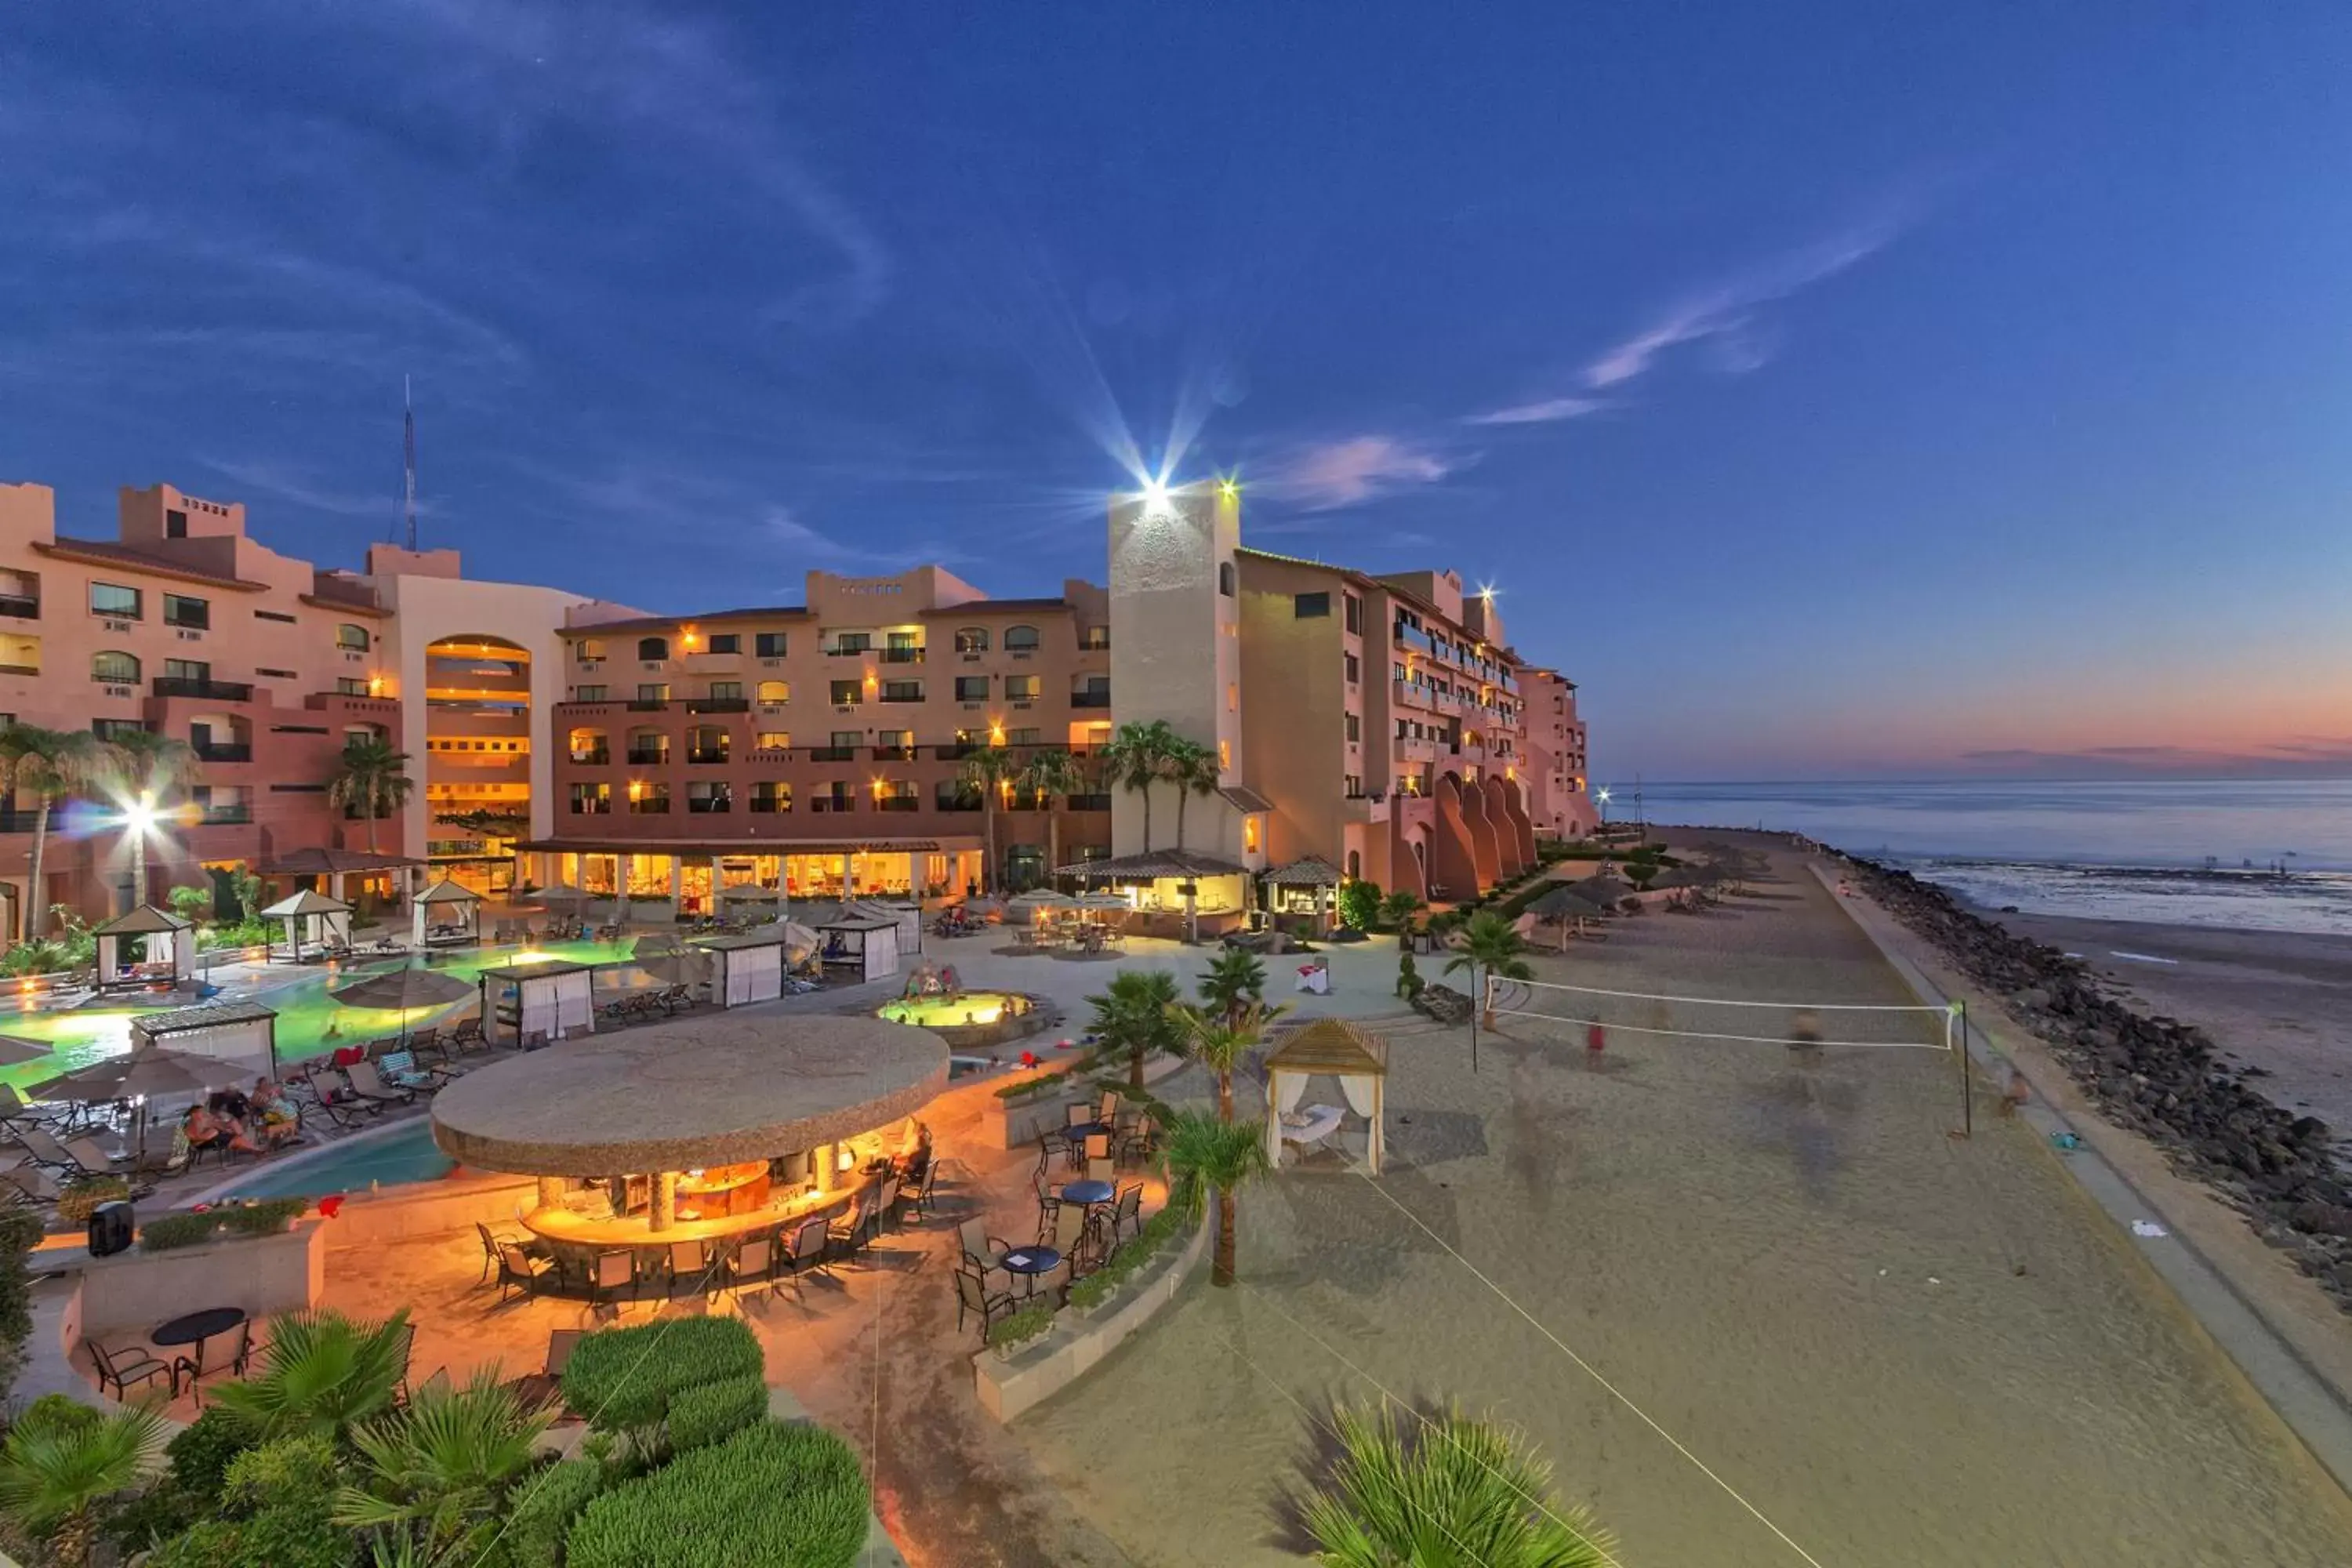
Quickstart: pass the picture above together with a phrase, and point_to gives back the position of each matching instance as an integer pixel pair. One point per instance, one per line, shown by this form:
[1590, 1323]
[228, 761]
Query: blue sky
[1832, 390]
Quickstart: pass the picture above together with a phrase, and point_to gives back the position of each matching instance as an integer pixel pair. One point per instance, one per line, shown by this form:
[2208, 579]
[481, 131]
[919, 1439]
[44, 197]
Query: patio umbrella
[563, 891]
[1604, 890]
[403, 990]
[1037, 900]
[1107, 903]
[141, 1076]
[1565, 905]
[16, 1050]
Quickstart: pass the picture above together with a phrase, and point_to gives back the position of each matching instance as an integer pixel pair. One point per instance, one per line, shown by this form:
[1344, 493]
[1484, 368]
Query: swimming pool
[389, 1159]
[308, 1020]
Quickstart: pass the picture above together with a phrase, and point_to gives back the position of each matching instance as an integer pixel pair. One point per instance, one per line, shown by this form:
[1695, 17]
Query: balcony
[1090, 699]
[227, 815]
[648, 756]
[1411, 751]
[769, 804]
[704, 805]
[902, 656]
[771, 753]
[1089, 803]
[209, 751]
[22, 607]
[718, 705]
[898, 803]
[850, 650]
[211, 690]
[1412, 694]
[833, 803]
[1362, 807]
[832, 753]
[649, 704]
[594, 757]
[705, 756]
[894, 754]
[956, 752]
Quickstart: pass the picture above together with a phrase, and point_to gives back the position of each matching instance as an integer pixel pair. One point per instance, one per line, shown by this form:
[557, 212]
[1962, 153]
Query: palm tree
[1201, 1149]
[1488, 946]
[1234, 979]
[1397, 908]
[1132, 1015]
[1456, 1493]
[1192, 768]
[141, 765]
[55, 1470]
[1136, 756]
[371, 779]
[322, 1372]
[989, 770]
[1218, 1040]
[1050, 772]
[43, 764]
[438, 1471]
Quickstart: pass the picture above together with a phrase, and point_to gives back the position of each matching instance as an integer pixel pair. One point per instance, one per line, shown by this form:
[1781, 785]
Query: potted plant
[1012, 1334]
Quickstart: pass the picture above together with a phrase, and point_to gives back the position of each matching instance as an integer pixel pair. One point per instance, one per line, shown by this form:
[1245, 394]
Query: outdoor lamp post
[138, 819]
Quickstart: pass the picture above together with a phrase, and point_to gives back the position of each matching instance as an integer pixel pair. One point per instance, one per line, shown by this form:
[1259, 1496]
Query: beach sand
[2281, 1001]
[1886, 1345]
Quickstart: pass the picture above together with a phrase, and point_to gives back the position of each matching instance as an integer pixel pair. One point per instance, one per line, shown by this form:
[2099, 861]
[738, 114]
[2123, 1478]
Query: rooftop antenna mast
[408, 461]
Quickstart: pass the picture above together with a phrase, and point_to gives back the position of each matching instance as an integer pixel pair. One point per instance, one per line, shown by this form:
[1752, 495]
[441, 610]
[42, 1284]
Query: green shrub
[624, 1378]
[780, 1495]
[541, 1510]
[84, 1193]
[1157, 1232]
[58, 1413]
[177, 1230]
[1409, 980]
[20, 1232]
[1360, 904]
[200, 1455]
[712, 1412]
[270, 1216]
[275, 1505]
[1041, 1084]
[1020, 1327]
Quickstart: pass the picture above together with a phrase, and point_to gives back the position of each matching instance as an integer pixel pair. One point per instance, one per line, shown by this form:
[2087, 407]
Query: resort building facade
[1556, 772]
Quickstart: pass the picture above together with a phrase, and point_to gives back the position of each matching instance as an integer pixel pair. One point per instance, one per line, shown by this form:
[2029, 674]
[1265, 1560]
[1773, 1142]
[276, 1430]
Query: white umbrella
[1038, 899]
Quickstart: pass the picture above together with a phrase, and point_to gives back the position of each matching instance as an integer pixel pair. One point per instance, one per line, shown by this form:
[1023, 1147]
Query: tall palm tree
[43, 764]
[438, 1469]
[1219, 1039]
[1488, 946]
[1200, 1148]
[54, 1471]
[371, 779]
[141, 765]
[1132, 1015]
[989, 770]
[1454, 1493]
[1049, 773]
[1136, 756]
[321, 1374]
[1192, 768]
[1233, 980]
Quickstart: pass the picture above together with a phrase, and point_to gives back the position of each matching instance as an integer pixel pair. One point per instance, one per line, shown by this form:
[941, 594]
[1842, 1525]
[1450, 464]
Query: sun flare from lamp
[1155, 496]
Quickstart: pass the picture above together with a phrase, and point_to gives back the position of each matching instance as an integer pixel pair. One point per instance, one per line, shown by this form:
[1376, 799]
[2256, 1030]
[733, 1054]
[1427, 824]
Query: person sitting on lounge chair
[206, 1131]
[272, 1116]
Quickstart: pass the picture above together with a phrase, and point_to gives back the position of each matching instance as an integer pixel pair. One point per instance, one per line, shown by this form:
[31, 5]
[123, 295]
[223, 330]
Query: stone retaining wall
[1009, 1385]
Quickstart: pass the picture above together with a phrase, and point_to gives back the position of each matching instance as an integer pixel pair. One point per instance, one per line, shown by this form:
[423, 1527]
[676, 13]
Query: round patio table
[194, 1328]
[1032, 1260]
[1086, 1193]
[1079, 1132]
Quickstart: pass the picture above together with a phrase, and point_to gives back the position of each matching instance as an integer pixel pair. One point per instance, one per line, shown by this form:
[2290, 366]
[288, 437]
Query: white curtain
[576, 1004]
[764, 974]
[881, 952]
[1359, 1089]
[1293, 1089]
[538, 1009]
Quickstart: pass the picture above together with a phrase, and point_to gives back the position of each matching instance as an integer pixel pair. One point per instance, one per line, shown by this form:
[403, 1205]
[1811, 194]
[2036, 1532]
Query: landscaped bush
[624, 1378]
[276, 1501]
[58, 1413]
[20, 1232]
[190, 1490]
[270, 1216]
[712, 1412]
[1409, 980]
[84, 1193]
[1157, 1232]
[543, 1507]
[1020, 1327]
[785, 1496]
[178, 1230]
[1360, 904]
[1042, 1083]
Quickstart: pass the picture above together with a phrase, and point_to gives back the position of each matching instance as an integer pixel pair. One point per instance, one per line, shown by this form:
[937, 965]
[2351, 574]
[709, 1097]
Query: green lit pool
[308, 1020]
[938, 1012]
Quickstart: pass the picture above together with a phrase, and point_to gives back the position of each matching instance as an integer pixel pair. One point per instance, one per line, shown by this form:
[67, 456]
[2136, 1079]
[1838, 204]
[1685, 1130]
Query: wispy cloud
[1350, 472]
[789, 532]
[1546, 411]
[296, 487]
[2298, 756]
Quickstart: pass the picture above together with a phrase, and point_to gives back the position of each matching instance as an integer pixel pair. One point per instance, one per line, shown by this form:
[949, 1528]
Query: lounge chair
[545, 1387]
[468, 1034]
[400, 1069]
[28, 1183]
[369, 1085]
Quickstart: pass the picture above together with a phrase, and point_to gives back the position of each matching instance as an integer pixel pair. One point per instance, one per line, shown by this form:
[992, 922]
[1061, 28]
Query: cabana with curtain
[746, 965]
[866, 942]
[1334, 1048]
[446, 915]
[312, 922]
[545, 1000]
[909, 919]
[242, 1035]
[168, 941]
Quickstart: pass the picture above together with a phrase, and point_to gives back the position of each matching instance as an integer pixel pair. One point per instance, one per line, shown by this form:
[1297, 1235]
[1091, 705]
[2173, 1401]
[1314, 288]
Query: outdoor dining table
[195, 1328]
[1087, 1194]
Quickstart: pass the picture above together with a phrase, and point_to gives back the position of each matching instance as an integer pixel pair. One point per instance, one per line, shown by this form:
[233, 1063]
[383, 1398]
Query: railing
[894, 754]
[595, 756]
[644, 756]
[1090, 699]
[595, 807]
[1089, 803]
[227, 815]
[771, 804]
[650, 806]
[858, 650]
[648, 704]
[902, 656]
[213, 690]
[13, 820]
[898, 803]
[833, 803]
[956, 803]
[771, 753]
[718, 705]
[705, 756]
[211, 752]
[956, 752]
[890, 695]
[22, 607]
[704, 805]
[20, 669]
[832, 753]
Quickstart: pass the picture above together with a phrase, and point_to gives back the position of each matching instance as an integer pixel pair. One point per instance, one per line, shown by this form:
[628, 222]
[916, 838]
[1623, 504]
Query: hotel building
[1555, 743]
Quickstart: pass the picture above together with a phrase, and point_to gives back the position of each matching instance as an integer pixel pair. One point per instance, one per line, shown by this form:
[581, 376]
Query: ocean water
[2261, 855]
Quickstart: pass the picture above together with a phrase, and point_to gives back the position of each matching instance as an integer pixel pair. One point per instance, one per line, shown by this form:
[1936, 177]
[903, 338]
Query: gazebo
[549, 997]
[446, 915]
[707, 1129]
[169, 942]
[1176, 873]
[749, 966]
[242, 1035]
[1328, 1047]
[334, 864]
[313, 921]
[1568, 908]
[1304, 888]
[868, 942]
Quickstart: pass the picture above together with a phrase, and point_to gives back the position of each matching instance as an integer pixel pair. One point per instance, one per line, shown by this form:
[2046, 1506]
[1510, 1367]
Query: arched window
[352, 639]
[1020, 638]
[591, 746]
[114, 669]
[775, 692]
[1225, 578]
[648, 746]
[653, 647]
[972, 639]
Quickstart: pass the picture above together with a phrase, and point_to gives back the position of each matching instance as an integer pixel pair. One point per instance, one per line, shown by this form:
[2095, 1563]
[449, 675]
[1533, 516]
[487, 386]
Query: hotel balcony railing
[940, 802]
[20, 669]
[705, 755]
[902, 656]
[1089, 803]
[832, 753]
[649, 704]
[211, 752]
[14, 819]
[890, 696]
[894, 754]
[718, 705]
[833, 803]
[23, 608]
[227, 815]
[705, 805]
[1090, 699]
[858, 651]
[648, 756]
[771, 753]
[898, 803]
[212, 691]
[594, 756]
[769, 804]
[958, 752]
[592, 806]
[1408, 637]
[651, 805]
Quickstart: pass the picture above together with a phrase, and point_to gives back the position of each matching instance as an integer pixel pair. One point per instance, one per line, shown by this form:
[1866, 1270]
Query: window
[972, 688]
[648, 746]
[195, 669]
[1021, 639]
[195, 615]
[709, 796]
[108, 728]
[847, 693]
[1355, 670]
[1021, 688]
[649, 799]
[768, 645]
[727, 642]
[1094, 638]
[175, 524]
[653, 647]
[851, 643]
[707, 743]
[111, 599]
[1026, 737]
[847, 739]
[1225, 578]
[274, 616]
[727, 692]
[954, 794]
[775, 692]
[771, 794]
[1355, 728]
[833, 797]
[897, 794]
[1355, 612]
[1249, 835]
[652, 691]
[1224, 756]
[1092, 691]
[774, 740]
[1310, 606]
[902, 692]
[352, 639]
[588, 650]
[588, 694]
[114, 669]
[590, 746]
[972, 639]
[592, 800]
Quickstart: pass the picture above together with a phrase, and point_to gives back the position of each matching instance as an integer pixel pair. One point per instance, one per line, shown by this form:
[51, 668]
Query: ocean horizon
[2190, 851]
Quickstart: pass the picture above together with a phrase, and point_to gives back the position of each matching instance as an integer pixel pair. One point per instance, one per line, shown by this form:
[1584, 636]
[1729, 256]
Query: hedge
[623, 1378]
[1022, 1326]
[713, 1412]
[1041, 1084]
[542, 1510]
[269, 1218]
[783, 1495]
[1156, 1233]
[177, 1230]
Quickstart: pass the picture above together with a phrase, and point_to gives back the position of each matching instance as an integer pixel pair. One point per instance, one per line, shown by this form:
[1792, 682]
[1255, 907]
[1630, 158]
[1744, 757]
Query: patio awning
[445, 892]
[1151, 866]
[306, 903]
[335, 862]
[181, 1019]
[1307, 871]
[1245, 799]
[144, 921]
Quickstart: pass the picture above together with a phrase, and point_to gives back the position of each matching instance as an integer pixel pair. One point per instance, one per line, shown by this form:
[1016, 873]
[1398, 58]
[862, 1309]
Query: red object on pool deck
[332, 1207]
[1028, 1059]
[1594, 1040]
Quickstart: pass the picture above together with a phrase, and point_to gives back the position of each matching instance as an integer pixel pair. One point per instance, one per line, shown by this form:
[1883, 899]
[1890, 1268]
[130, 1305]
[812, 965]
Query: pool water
[404, 1155]
[945, 1012]
[308, 1020]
